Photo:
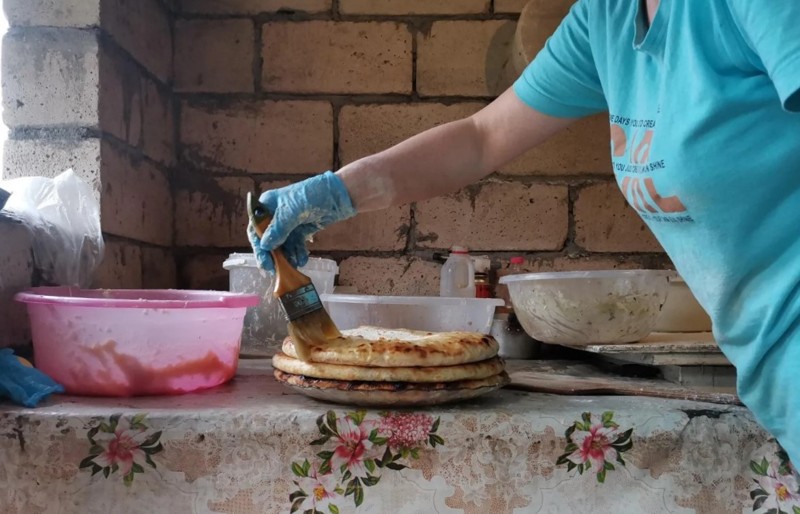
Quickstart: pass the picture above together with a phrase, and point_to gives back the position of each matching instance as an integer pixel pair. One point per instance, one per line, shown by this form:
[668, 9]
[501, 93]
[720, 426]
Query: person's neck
[651, 6]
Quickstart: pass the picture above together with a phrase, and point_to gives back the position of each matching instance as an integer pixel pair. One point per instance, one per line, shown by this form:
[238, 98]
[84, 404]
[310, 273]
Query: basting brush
[309, 323]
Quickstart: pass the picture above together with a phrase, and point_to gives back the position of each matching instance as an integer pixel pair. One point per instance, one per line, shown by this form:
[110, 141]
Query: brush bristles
[315, 328]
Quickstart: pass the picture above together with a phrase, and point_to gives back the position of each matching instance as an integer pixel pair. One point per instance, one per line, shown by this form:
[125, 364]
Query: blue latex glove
[21, 384]
[298, 211]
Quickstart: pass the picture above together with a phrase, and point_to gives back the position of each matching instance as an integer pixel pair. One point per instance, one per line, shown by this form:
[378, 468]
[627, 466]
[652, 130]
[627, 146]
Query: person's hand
[298, 211]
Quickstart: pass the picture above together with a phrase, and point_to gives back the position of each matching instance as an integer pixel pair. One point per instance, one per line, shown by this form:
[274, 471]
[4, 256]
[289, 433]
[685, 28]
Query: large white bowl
[589, 307]
[429, 313]
[682, 312]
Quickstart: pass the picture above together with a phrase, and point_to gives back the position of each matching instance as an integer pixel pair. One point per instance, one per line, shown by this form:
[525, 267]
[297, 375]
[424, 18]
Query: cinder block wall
[270, 92]
[87, 84]
[174, 110]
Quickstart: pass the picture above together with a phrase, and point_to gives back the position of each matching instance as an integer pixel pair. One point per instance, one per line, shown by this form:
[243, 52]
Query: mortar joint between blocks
[337, 161]
[572, 198]
[258, 56]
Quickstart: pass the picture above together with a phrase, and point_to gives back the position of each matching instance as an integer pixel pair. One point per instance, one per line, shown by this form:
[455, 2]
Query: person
[704, 109]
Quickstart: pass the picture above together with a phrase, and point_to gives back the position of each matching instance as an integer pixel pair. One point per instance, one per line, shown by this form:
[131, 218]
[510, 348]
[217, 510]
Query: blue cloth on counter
[23, 385]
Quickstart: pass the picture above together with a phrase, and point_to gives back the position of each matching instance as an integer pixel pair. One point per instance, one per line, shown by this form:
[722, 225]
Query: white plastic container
[589, 307]
[322, 273]
[265, 326]
[427, 313]
[458, 275]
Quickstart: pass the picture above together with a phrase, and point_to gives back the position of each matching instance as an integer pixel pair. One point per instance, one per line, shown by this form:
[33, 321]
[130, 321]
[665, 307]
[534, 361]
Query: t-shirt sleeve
[772, 30]
[562, 79]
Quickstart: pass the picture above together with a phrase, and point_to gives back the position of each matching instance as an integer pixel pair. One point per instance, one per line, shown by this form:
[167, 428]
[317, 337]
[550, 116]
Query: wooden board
[663, 342]
[570, 378]
[666, 349]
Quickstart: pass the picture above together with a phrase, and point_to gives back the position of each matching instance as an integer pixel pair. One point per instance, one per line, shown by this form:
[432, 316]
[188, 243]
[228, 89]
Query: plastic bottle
[458, 274]
[516, 265]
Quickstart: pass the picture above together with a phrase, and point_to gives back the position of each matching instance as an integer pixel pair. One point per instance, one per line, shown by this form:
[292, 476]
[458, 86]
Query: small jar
[482, 289]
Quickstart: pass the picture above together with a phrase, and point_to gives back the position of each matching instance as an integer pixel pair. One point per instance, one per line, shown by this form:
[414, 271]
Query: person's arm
[559, 86]
[771, 34]
[448, 157]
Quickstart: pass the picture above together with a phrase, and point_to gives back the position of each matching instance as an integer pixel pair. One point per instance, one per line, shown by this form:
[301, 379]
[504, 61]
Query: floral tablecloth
[253, 447]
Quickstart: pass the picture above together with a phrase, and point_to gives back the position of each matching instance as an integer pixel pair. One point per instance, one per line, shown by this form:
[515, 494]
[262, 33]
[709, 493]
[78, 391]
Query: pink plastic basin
[136, 342]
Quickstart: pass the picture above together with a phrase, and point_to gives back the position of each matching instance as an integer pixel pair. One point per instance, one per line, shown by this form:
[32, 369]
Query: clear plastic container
[458, 275]
[322, 272]
[589, 307]
[265, 326]
[132, 342]
[428, 313]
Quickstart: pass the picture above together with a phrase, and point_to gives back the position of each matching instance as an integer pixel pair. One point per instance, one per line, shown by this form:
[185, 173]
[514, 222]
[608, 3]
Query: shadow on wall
[537, 22]
[500, 69]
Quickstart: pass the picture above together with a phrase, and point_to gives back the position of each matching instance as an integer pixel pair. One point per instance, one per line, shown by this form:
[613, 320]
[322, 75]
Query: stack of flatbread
[375, 366]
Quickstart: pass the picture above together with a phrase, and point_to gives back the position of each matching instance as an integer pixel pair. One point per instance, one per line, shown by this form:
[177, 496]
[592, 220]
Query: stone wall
[17, 272]
[87, 84]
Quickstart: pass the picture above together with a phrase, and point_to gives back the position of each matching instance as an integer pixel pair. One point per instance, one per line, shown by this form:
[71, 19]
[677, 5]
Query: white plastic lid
[240, 260]
[459, 249]
[248, 260]
[318, 264]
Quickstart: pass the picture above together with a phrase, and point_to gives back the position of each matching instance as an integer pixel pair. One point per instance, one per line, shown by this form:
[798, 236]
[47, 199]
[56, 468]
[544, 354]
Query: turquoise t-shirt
[705, 137]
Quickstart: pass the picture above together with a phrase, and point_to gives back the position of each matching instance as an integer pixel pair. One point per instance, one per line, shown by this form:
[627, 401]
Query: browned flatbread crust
[427, 374]
[345, 385]
[378, 347]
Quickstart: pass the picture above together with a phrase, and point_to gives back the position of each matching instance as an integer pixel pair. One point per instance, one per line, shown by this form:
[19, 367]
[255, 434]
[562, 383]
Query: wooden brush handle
[287, 278]
[308, 321]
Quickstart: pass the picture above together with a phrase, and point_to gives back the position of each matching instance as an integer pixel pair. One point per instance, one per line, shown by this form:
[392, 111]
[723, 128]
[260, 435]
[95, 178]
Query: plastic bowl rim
[215, 299]
[410, 300]
[572, 275]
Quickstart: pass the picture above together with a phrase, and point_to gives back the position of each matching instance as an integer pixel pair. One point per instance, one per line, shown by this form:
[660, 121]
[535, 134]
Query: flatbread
[472, 371]
[381, 347]
[347, 385]
[338, 392]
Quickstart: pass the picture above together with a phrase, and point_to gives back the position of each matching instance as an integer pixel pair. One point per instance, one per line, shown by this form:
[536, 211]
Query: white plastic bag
[64, 218]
